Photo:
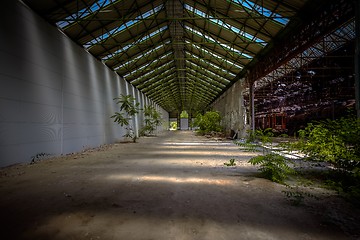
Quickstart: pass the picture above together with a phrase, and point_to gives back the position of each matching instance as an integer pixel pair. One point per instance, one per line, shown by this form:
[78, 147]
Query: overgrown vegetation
[209, 122]
[128, 109]
[272, 165]
[334, 142]
[152, 120]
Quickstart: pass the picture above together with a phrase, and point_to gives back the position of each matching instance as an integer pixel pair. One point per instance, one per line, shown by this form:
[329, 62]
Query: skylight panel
[211, 64]
[96, 6]
[152, 71]
[215, 55]
[262, 11]
[123, 27]
[209, 72]
[153, 87]
[128, 63]
[226, 25]
[194, 73]
[112, 55]
[155, 78]
[147, 65]
[234, 50]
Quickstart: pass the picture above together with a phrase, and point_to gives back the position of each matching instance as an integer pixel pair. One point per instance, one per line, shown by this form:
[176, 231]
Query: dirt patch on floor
[174, 186]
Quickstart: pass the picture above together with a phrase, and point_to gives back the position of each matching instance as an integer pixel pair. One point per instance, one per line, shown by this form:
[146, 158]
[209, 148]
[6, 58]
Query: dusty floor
[170, 187]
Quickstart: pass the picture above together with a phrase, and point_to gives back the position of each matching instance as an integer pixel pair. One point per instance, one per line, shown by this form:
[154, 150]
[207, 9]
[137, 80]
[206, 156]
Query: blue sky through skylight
[84, 12]
[262, 11]
[211, 64]
[234, 50]
[142, 55]
[111, 55]
[221, 59]
[221, 23]
[152, 71]
[123, 26]
[209, 72]
[147, 64]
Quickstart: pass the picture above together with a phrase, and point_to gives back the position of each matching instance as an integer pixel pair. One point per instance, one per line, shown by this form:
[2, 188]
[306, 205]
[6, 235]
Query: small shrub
[273, 167]
[209, 122]
[333, 141]
[230, 163]
[152, 120]
[128, 109]
[297, 196]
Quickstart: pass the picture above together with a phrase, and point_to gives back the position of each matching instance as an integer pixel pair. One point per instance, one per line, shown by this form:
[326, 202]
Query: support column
[252, 105]
[357, 56]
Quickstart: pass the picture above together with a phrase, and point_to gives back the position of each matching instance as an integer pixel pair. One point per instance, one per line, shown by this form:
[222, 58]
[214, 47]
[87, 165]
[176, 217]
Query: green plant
[333, 141]
[248, 146]
[184, 114]
[128, 109]
[230, 163]
[336, 142]
[273, 167]
[209, 122]
[39, 156]
[173, 125]
[257, 140]
[296, 196]
[152, 120]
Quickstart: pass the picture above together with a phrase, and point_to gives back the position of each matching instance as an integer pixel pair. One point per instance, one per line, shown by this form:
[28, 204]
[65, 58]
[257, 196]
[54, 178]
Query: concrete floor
[173, 186]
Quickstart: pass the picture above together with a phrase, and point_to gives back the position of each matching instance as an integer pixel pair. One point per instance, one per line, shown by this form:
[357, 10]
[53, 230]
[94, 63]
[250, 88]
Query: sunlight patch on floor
[199, 143]
[170, 179]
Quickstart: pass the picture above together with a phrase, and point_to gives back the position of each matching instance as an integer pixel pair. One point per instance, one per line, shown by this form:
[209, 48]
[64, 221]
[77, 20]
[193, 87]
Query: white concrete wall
[232, 110]
[55, 98]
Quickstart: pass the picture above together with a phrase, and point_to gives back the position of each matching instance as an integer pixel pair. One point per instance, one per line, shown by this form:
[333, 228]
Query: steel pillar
[357, 56]
[252, 106]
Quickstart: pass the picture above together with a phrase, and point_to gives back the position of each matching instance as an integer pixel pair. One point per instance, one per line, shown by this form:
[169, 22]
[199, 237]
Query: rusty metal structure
[183, 54]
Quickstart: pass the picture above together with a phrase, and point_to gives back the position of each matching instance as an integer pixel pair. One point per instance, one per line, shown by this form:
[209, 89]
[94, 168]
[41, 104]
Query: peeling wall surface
[55, 98]
[232, 110]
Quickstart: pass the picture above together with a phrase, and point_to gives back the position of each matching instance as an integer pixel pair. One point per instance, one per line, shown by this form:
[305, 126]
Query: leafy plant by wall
[128, 109]
[152, 120]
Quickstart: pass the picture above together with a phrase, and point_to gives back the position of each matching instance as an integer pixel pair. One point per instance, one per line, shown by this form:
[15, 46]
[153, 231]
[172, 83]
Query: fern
[273, 167]
[248, 146]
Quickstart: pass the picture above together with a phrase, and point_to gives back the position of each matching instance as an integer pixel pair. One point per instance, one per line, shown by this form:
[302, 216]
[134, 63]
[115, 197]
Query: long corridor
[174, 186]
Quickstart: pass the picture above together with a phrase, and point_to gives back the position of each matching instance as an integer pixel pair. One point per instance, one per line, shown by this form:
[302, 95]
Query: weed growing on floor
[296, 196]
[273, 167]
[230, 163]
